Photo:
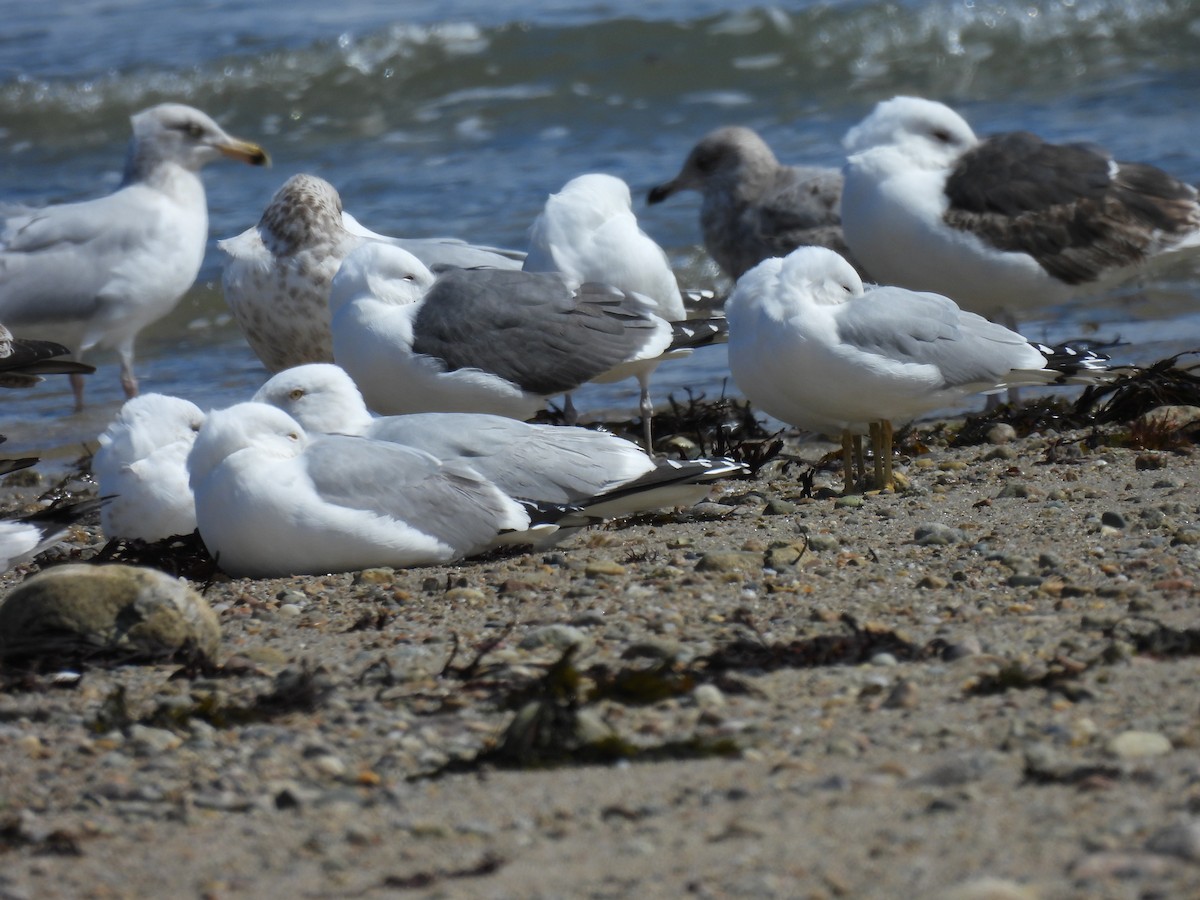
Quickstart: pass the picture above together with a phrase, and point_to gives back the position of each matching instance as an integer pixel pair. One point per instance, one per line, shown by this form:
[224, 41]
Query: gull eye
[943, 136]
[293, 436]
[410, 277]
[295, 394]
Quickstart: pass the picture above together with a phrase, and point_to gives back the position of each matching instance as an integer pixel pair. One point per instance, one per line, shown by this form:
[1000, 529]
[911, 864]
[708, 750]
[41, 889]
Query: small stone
[330, 765]
[1181, 839]
[381, 575]
[1016, 490]
[1169, 418]
[961, 649]
[1020, 580]
[1003, 452]
[1001, 433]
[596, 567]
[1112, 519]
[708, 697]
[777, 507]
[1187, 536]
[782, 556]
[558, 636]
[148, 741]
[290, 610]
[1138, 744]
[729, 561]
[120, 610]
[848, 501]
[903, 696]
[987, 889]
[883, 659]
[932, 582]
[823, 543]
[466, 596]
[935, 534]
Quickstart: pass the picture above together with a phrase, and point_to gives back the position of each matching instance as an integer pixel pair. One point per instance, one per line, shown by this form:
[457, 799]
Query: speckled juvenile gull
[23, 361]
[142, 464]
[601, 473]
[273, 500]
[276, 275]
[23, 537]
[478, 340]
[754, 207]
[1006, 222]
[94, 274]
[809, 345]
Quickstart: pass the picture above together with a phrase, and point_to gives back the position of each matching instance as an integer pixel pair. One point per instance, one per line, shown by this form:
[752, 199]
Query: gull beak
[245, 151]
[661, 192]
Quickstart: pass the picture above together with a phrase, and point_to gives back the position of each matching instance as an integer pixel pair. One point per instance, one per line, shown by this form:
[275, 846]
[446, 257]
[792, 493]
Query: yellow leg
[858, 456]
[848, 462]
[889, 480]
[877, 453]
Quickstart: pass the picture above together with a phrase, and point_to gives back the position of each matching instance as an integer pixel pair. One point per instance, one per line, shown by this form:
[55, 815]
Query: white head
[268, 431]
[172, 132]
[822, 273]
[606, 194]
[927, 132]
[322, 397]
[382, 271]
[148, 422]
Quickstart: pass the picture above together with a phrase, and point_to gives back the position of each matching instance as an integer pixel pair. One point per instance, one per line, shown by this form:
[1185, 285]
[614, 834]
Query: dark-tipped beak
[661, 192]
[245, 151]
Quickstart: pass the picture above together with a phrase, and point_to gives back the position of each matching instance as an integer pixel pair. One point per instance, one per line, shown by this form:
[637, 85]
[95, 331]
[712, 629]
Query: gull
[142, 465]
[601, 474]
[588, 232]
[273, 500]
[479, 340]
[24, 537]
[276, 275]
[809, 345]
[23, 361]
[753, 206]
[96, 273]
[1006, 221]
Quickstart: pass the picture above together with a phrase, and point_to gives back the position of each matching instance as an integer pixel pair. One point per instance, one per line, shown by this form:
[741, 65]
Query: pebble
[1112, 519]
[848, 501]
[782, 556]
[596, 567]
[708, 697]
[558, 636]
[1017, 490]
[1181, 839]
[822, 543]
[1001, 433]
[935, 534]
[149, 741]
[883, 659]
[381, 575]
[115, 609]
[729, 561]
[1138, 744]
[1169, 418]
[987, 889]
[962, 648]
[904, 695]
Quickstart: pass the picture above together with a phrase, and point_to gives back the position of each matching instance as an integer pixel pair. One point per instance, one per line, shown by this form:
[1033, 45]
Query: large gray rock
[117, 610]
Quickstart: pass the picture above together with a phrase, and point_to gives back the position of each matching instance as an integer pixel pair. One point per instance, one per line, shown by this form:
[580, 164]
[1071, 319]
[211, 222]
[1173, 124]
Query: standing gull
[478, 340]
[272, 500]
[142, 465]
[601, 473]
[753, 206]
[276, 275]
[1005, 222]
[809, 345]
[588, 232]
[96, 273]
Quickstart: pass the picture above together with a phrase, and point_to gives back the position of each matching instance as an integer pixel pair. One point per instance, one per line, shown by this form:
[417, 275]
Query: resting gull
[276, 274]
[24, 361]
[479, 340]
[1005, 222]
[753, 206]
[96, 273]
[24, 537]
[809, 345]
[547, 464]
[142, 464]
[273, 500]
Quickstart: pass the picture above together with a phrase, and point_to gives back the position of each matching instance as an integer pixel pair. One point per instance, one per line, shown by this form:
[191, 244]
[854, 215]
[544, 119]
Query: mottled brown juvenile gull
[479, 340]
[96, 273]
[601, 473]
[273, 500]
[276, 275]
[1006, 222]
[753, 206]
[23, 361]
[809, 345]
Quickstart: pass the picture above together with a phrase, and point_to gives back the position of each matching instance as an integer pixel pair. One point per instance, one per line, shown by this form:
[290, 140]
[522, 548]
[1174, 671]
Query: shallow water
[459, 117]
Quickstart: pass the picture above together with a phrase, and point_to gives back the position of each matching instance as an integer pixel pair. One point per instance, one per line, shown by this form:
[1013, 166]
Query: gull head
[179, 134]
[245, 427]
[305, 211]
[380, 271]
[150, 421]
[927, 133]
[726, 156]
[322, 397]
[596, 194]
[823, 274]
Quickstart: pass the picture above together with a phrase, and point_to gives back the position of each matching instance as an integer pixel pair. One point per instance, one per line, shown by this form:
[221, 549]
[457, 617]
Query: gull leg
[877, 451]
[570, 416]
[889, 480]
[128, 380]
[646, 407]
[858, 456]
[77, 389]
[848, 462]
